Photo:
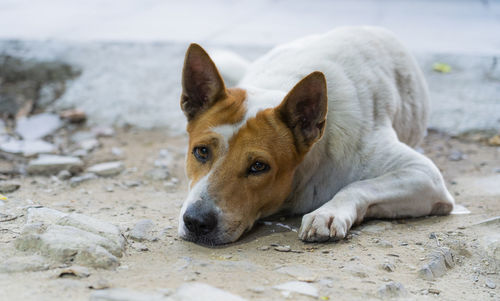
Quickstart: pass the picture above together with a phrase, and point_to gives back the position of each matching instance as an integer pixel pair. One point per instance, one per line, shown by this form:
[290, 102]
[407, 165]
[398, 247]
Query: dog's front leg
[414, 189]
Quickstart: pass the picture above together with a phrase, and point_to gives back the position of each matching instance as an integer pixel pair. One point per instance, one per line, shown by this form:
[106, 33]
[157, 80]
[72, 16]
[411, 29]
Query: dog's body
[359, 164]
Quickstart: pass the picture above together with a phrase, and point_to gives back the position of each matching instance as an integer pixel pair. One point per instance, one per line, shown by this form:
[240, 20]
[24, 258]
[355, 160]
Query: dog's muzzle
[200, 220]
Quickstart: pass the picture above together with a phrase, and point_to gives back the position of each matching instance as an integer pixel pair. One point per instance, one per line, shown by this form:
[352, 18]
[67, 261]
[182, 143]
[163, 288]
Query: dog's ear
[202, 84]
[304, 110]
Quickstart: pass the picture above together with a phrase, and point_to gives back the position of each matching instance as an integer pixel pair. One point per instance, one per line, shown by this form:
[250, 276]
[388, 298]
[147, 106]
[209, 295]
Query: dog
[324, 126]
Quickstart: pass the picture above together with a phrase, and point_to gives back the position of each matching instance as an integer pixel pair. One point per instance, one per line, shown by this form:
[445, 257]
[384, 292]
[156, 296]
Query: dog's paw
[322, 225]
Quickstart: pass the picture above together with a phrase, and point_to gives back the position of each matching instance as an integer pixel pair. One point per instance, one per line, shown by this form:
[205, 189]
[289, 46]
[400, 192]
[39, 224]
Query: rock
[75, 271]
[27, 147]
[439, 261]
[193, 292]
[377, 227]
[103, 131]
[489, 283]
[100, 284]
[392, 290]
[107, 169]
[64, 175]
[157, 174]
[9, 186]
[357, 270]
[89, 144]
[384, 244]
[50, 164]
[300, 273]
[73, 116]
[283, 248]
[142, 230]
[263, 248]
[298, 287]
[82, 135]
[72, 238]
[131, 184]
[31, 263]
[456, 155]
[37, 126]
[491, 245]
[96, 257]
[139, 247]
[75, 181]
[389, 267]
[121, 294]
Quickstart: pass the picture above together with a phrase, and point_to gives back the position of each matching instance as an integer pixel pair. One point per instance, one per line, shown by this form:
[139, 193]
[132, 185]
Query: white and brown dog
[324, 126]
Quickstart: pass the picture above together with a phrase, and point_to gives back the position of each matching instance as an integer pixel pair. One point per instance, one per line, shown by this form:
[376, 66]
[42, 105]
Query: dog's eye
[258, 167]
[201, 153]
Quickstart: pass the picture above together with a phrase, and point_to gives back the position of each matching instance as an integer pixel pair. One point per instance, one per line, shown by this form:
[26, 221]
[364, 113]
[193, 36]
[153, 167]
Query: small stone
[131, 184]
[157, 174]
[31, 263]
[440, 260]
[140, 247]
[263, 248]
[283, 248]
[63, 175]
[258, 289]
[100, 284]
[74, 181]
[389, 267]
[75, 271]
[299, 287]
[107, 169]
[122, 294]
[392, 290]
[89, 144]
[142, 230]
[384, 244]
[377, 227]
[200, 291]
[51, 164]
[27, 147]
[490, 284]
[9, 186]
[300, 273]
[37, 126]
[434, 291]
[456, 155]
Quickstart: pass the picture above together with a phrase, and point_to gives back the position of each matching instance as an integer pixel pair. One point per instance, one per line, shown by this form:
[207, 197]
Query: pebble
[300, 273]
[384, 244]
[299, 287]
[100, 284]
[107, 169]
[75, 181]
[75, 271]
[392, 290]
[157, 174]
[37, 126]
[456, 155]
[27, 147]
[142, 230]
[9, 186]
[73, 116]
[389, 267]
[64, 175]
[196, 291]
[283, 248]
[51, 164]
[263, 248]
[123, 294]
[32, 263]
[377, 227]
[489, 283]
[439, 261]
[140, 247]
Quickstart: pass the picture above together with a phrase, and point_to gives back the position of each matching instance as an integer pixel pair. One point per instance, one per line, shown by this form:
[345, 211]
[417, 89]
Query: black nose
[200, 218]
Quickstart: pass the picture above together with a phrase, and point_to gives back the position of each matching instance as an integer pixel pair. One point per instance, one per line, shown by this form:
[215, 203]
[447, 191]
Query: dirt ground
[351, 269]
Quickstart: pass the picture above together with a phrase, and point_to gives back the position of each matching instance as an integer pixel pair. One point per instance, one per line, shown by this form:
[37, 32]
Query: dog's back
[372, 80]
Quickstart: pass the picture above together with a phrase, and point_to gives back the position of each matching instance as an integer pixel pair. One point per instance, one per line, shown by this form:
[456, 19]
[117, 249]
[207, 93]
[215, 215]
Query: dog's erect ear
[304, 110]
[202, 84]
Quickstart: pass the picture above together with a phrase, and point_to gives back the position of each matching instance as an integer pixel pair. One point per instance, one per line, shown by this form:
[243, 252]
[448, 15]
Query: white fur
[194, 194]
[364, 166]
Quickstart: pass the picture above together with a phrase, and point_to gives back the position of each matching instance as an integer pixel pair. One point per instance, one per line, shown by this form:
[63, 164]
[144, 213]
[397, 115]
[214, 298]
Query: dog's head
[241, 167]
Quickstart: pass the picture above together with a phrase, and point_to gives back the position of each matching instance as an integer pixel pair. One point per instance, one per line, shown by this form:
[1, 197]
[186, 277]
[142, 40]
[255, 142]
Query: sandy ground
[350, 269]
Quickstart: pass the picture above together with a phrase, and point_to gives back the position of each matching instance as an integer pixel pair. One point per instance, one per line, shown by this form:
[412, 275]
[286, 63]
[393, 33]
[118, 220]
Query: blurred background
[120, 61]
